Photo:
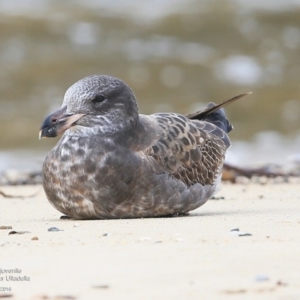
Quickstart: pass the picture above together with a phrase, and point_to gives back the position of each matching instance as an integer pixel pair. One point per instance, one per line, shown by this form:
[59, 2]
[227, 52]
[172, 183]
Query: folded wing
[192, 151]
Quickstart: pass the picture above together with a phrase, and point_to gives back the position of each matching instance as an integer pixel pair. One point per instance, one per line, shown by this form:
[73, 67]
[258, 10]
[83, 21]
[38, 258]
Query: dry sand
[192, 257]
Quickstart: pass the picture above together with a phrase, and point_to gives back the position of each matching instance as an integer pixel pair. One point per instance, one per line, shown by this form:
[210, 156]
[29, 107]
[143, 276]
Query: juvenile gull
[113, 162]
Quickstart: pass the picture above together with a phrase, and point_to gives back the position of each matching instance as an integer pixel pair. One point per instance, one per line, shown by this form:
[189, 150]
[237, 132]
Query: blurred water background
[176, 56]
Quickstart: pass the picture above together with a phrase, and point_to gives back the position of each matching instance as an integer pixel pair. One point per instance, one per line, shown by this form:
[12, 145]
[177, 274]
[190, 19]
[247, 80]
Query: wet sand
[191, 257]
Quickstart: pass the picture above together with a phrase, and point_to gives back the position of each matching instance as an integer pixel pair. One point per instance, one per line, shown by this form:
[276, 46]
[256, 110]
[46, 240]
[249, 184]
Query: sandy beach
[192, 257]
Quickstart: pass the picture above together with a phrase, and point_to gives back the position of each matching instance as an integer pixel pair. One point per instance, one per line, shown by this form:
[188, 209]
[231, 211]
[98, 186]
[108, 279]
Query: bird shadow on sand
[179, 216]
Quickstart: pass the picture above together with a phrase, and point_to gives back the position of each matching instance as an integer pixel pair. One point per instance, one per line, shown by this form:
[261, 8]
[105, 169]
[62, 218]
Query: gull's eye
[98, 98]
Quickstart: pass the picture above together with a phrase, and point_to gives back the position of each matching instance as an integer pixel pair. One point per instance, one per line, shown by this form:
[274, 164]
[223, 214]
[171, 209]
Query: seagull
[112, 162]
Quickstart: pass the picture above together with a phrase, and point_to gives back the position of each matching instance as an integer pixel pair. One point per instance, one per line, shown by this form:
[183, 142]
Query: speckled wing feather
[191, 150]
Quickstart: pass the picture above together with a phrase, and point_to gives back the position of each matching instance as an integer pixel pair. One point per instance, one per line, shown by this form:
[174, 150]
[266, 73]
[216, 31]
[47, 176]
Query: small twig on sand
[18, 196]
[251, 172]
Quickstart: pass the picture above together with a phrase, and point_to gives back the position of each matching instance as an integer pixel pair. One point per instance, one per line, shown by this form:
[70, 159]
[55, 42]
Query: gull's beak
[57, 123]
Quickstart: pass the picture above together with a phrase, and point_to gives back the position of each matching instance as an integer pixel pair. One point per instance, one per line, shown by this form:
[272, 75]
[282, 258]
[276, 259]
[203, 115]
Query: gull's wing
[190, 150]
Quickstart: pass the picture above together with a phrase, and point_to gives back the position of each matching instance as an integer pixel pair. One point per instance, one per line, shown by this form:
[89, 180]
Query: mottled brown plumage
[112, 162]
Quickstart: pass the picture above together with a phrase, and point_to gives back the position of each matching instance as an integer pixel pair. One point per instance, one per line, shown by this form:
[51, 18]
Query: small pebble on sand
[54, 229]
